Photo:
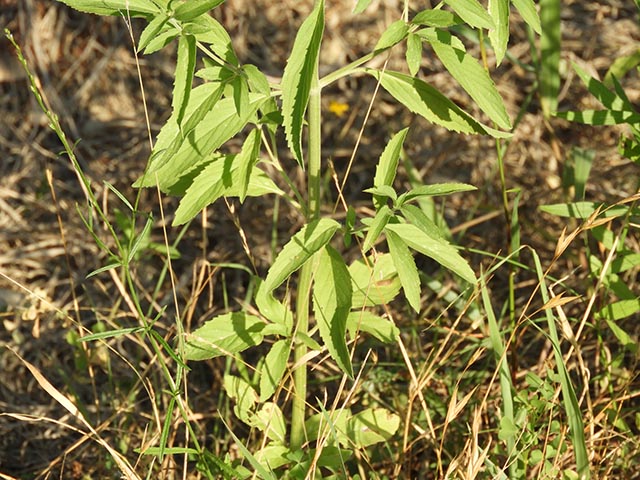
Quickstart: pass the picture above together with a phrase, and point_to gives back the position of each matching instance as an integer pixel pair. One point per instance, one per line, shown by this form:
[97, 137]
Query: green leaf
[191, 9]
[365, 321]
[361, 6]
[331, 305]
[375, 282]
[216, 126]
[274, 367]
[437, 35]
[135, 8]
[394, 34]
[225, 334]
[435, 248]
[383, 215]
[473, 78]
[499, 11]
[417, 217]
[270, 420]
[623, 337]
[163, 38]
[414, 53]
[298, 250]
[371, 426]
[601, 117]
[436, 18]
[185, 68]
[582, 210]
[297, 78]
[549, 73]
[472, 13]
[620, 309]
[435, 189]
[208, 30]
[528, 12]
[244, 395]
[388, 165]
[151, 31]
[247, 159]
[421, 98]
[406, 267]
[620, 67]
[273, 456]
[273, 310]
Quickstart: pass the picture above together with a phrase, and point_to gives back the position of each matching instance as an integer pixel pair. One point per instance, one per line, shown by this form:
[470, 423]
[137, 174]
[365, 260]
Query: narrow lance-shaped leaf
[499, 11]
[423, 99]
[549, 71]
[527, 9]
[297, 78]
[332, 303]
[298, 250]
[274, 367]
[135, 8]
[473, 78]
[414, 53]
[185, 68]
[435, 248]
[194, 8]
[407, 270]
[223, 335]
[247, 159]
[472, 12]
[377, 225]
[151, 31]
[394, 34]
[388, 165]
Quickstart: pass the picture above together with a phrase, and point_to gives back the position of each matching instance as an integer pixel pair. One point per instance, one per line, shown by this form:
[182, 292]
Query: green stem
[306, 273]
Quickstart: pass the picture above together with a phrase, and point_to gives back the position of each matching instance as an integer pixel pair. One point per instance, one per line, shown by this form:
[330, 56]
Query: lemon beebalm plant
[334, 302]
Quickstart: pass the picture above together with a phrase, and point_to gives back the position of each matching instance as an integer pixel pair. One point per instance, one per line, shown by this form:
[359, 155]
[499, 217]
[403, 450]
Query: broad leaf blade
[499, 11]
[135, 8]
[331, 305]
[388, 165]
[275, 365]
[414, 53]
[194, 8]
[383, 215]
[407, 270]
[375, 282]
[297, 78]
[247, 159]
[225, 334]
[185, 68]
[527, 10]
[423, 99]
[435, 248]
[298, 250]
[394, 34]
[473, 78]
[365, 321]
[472, 13]
[371, 426]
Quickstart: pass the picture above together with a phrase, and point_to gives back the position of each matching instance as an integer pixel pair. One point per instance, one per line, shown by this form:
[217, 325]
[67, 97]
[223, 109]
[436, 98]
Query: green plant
[189, 159]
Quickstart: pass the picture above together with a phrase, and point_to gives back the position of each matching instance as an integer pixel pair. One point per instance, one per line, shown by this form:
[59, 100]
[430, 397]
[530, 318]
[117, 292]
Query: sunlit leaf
[472, 13]
[435, 248]
[297, 78]
[388, 165]
[135, 8]
[371, 426]
[274, 367]
[499, 11]
[473, 78]
[331, 304]
[224, 335]
[365, 321]
[394, 34]
[414, 53]
[191, 9]
[528, 12]
[375, 282]
[406, 267]
[423, 99]
[185, 68]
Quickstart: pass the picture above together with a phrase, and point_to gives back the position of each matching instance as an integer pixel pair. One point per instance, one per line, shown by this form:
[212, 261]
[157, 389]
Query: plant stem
[306, 273]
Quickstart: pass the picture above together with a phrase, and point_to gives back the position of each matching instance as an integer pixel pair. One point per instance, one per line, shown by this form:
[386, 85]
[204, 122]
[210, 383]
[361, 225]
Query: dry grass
[64, 405]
